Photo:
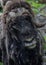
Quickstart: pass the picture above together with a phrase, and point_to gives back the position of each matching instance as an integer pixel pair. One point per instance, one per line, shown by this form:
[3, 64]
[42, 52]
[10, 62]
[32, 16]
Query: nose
[25, 31]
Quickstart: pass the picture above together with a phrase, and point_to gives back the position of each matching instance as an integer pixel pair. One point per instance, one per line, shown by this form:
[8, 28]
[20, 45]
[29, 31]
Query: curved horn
[3, 2]
[39, 24]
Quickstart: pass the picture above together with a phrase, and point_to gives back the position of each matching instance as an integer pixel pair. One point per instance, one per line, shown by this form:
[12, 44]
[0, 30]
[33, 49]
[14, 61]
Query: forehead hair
[12, 5]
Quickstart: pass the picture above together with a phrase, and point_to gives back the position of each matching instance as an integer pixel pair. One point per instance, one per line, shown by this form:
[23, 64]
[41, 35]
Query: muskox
[21, 42]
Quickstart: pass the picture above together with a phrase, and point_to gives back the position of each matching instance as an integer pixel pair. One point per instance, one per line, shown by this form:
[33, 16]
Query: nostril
[26, 34]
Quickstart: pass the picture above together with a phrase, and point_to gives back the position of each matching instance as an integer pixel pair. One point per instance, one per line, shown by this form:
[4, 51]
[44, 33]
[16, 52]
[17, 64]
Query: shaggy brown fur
[24, 19]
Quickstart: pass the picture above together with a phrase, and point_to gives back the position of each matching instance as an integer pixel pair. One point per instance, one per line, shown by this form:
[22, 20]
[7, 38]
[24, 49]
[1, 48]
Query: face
[23, 30]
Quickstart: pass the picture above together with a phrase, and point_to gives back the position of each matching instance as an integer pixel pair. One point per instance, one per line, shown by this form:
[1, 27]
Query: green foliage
[0, 9]
[35, 5]
[45, 43]
[1, 63]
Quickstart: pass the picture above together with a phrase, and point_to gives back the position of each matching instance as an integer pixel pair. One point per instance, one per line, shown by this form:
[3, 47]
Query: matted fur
[17, 33]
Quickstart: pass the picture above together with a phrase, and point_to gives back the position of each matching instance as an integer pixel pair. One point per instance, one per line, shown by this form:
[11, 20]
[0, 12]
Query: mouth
[29, 43]
[28, 40]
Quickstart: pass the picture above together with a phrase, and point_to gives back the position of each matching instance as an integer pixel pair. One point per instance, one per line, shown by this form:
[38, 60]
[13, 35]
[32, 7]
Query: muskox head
[19, 23]
[22, 30]
[19, 30]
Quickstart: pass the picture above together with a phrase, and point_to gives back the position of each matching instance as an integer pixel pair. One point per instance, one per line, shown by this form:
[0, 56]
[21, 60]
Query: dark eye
[16, 11]
[25, 34]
